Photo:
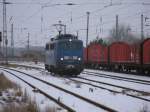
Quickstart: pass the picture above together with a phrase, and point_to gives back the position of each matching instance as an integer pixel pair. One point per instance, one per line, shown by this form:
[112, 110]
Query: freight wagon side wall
[85, 55]
[105, 54]
[94, 53]
[146, 51]
[120, 52]
[97, 53]
[135, 53]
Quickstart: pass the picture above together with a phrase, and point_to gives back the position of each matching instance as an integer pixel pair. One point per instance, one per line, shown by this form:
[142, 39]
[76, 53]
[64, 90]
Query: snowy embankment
[75, 103]
[113, 100]
[116, 101]
[42, 101]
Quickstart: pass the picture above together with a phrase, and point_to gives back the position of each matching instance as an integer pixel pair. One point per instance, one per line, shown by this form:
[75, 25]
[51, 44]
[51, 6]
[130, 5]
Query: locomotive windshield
[70, 45]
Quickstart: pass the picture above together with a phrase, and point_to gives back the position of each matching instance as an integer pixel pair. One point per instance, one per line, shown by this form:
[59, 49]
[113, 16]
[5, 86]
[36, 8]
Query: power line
[87, 3]
[31, 16]
[23, 3]
[113, 4]
[97, 10]
[76, 4]
[107, 22]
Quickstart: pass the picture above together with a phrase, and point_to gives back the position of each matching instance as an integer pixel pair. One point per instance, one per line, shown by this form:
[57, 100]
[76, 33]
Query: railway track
[59, 88]
[111, 90]
[134, 80]
[109, 84]
[42, 92]
[107, 76]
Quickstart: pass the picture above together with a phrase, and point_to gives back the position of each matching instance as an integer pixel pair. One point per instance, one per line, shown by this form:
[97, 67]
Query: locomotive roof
[65, 36]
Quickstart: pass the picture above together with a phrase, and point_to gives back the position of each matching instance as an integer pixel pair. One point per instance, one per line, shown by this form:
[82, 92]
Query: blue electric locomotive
[64, 55]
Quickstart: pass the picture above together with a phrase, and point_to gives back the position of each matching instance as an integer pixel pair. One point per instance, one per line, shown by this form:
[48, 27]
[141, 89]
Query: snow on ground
[133, 85]
[41, 65]
[116, 101]
[77, 104]
[119, 102]
[118, 89]
[120, 74]
[38, 64]
[41, 100]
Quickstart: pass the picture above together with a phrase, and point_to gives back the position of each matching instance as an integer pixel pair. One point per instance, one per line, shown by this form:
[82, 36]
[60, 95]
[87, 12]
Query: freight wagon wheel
[140, 71]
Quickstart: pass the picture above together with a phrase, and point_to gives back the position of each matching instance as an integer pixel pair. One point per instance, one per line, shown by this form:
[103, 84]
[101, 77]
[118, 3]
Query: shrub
[6, 83]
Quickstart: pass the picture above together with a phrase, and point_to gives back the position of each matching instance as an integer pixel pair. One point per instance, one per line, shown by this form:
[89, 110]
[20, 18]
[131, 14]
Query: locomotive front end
[70, 56]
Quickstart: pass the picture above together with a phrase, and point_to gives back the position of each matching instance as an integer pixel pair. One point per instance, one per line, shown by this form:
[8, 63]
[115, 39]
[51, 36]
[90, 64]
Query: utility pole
[65, 29]
[147, 25]
[12, 40]
[28, 42]
[77, 33]
[28, 45]
[87, 32]
[101, 26]
[41, 19]
[142, 27]
[5, 41]
[117, 37]
[0, 41]
[60, 27]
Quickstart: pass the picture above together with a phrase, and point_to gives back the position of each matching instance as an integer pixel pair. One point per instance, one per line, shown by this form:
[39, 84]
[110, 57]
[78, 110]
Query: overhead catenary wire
[31, 3]
[38, 11]
[124, 18]
[75, 19]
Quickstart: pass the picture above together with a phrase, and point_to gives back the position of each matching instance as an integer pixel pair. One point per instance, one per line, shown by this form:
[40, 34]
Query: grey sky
[27, 14]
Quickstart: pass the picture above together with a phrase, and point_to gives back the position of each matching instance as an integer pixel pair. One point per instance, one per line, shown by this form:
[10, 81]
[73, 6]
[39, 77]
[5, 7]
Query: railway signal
[0, 36]
[0, 40]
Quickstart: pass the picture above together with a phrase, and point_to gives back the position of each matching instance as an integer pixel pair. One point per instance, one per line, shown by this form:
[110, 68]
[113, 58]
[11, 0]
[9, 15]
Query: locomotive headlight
[79, 59]
[61, 59]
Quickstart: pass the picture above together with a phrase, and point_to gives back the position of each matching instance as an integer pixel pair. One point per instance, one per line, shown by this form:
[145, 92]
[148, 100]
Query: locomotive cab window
[52, 46]
[70, 45]
[47, 47]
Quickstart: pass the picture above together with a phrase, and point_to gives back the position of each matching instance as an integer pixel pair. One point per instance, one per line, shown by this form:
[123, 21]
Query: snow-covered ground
[38, 64]
[41, 100]
[75, 103]
[121, 74]
[116, 101]
[122, 83]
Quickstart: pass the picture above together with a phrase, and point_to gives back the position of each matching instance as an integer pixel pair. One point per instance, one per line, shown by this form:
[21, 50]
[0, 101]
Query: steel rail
[114, 91]
[69, 92]
[113, 85]
[43, 93]
[117, 77]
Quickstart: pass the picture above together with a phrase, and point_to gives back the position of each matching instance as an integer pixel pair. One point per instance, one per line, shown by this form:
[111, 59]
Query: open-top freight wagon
[119, 56]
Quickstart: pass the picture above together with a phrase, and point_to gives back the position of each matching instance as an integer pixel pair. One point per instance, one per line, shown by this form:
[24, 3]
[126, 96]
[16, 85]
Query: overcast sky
[26, 17]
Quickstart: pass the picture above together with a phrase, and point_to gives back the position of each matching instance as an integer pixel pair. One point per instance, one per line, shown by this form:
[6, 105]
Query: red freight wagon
[105, 54]
[85, 55]
[120, 52]
[135, 53]
[146, 52]
[94, 53]
[97, 53]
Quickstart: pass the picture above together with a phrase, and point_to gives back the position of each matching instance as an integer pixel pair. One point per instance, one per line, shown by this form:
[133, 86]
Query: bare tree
[124, 34]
